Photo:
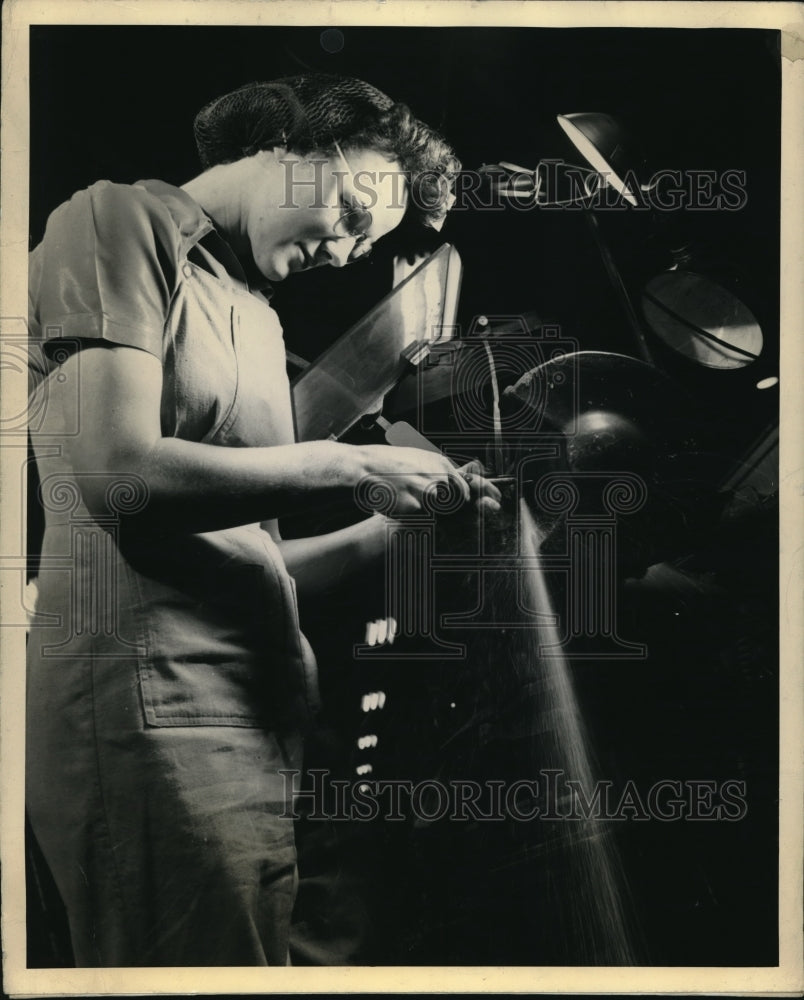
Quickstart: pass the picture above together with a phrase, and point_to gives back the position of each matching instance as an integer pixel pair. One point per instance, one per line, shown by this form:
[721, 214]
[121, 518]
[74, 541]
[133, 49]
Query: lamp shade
[605, 145]
[701, 320]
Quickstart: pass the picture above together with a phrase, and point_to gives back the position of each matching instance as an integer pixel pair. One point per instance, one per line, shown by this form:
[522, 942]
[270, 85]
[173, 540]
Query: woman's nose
[336, 251]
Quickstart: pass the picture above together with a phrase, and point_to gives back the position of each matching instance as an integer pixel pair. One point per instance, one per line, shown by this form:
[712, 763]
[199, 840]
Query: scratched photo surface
[548, 732]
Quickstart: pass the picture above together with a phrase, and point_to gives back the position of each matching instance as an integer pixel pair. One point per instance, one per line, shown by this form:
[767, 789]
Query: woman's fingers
[488, 504]
[483, 492]
[475, 467]
[414, 475]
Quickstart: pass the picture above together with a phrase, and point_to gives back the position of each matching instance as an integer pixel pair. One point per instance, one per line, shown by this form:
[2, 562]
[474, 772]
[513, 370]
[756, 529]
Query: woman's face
[294, 210]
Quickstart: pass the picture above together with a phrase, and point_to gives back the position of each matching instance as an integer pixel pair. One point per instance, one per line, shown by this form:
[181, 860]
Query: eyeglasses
[355, 221]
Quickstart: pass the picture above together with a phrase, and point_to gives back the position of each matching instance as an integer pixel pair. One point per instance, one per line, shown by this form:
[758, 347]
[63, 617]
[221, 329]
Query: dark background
[118, 103]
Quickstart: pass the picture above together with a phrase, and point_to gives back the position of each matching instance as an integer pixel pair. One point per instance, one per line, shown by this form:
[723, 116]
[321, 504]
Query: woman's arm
[201, 487]
[326, 563]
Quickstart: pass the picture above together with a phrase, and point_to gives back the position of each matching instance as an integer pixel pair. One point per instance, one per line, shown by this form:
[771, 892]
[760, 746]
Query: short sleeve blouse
[212, 617]
[107, 267]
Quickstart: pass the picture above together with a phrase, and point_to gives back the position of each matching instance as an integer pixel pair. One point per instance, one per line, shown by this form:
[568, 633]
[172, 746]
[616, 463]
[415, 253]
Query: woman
[169, 684]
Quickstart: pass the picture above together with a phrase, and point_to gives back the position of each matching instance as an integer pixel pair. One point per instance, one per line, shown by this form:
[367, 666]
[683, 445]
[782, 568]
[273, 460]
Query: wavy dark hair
[310, 113]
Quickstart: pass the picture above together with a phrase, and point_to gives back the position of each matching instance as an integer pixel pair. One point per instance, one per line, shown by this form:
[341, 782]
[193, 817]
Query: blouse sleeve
[106, 268]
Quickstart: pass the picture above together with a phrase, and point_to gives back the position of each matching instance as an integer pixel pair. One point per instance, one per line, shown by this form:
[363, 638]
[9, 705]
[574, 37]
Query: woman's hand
[484, 494]
[404, 481]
